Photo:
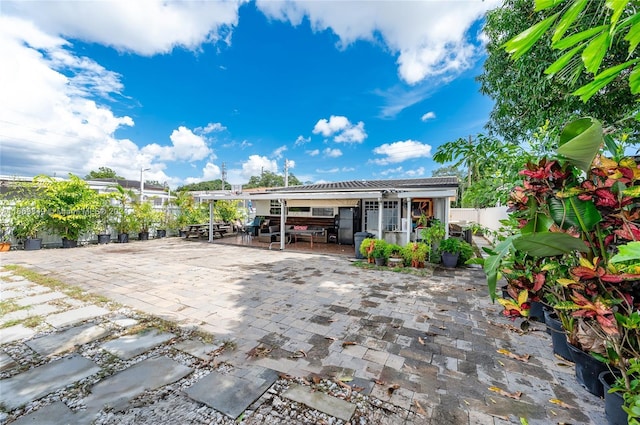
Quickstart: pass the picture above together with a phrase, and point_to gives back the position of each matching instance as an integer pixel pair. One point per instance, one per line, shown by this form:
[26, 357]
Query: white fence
[486, 217]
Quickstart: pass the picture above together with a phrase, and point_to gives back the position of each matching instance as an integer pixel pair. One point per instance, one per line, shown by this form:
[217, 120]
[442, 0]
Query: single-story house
[389, 209]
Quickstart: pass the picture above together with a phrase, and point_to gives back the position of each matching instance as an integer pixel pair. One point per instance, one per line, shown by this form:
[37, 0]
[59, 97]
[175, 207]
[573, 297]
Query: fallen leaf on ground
[285, 376]
[259, 351]
[332, 320]
[442, 327]
[421, 341]
[522, 358]
[392, 388]
[419, 408]
[315, 378]
[425, 317]
[330, 338]
[378, 382]
[298, 354]
[357, 389]
[348, 343]
[345, 378]
[560, 403]
[515, 396]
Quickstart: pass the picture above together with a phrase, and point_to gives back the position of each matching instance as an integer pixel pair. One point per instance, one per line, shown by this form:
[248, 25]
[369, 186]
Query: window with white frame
[371, 216]
[390, 216]
[274, 207]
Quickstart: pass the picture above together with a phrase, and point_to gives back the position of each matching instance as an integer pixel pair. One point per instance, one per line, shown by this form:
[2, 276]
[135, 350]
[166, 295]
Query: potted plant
[416, 253]
[104, 217]
[70, 206]
[366, 249]
[622, 405]
[450, 249]
[432, 236]
[145, 218]
[26, 220]
[5, 237]
[379, 252]
[123, 220]
[394, 255]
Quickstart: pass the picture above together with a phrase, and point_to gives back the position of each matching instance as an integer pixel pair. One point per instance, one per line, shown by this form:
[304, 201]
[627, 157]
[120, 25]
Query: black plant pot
[32, 244]
[558, 335]
[380, 261]
[143, 236]
[449, 260]
[612, 401]
[536, 311]
[123, 237]
[587, 370]
[161, 233]
[68, 243]
[104, 238]
[182, 233]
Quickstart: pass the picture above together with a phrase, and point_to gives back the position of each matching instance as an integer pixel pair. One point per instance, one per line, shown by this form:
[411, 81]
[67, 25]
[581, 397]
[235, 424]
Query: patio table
[308, 232]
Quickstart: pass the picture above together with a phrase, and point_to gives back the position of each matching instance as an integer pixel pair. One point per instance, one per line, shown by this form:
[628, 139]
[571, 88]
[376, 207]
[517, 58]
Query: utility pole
[224, 174]
[469, 165]
[286, 173]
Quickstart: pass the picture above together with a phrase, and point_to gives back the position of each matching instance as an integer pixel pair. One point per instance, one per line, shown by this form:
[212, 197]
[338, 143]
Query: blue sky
[340, 90]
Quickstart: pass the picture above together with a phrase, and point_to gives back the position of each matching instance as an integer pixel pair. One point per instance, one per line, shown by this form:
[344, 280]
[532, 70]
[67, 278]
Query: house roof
[128, 184]
[368, 185]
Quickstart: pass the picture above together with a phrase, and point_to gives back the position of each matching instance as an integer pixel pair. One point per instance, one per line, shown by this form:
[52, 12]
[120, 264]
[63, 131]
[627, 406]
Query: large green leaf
[617, 6]
[522, 43]
[602, 79]
[539, 223]
[493, 263]
[594, 52]
[546, 4]
[568, 19]
[628, 252]
[633, 36]
[580, 141]
[549, 244]
[574, 39]
[562, 61]
[573, 212]
[634, 80]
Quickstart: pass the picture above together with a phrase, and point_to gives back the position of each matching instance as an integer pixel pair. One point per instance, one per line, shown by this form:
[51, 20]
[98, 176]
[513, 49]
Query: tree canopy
[103, 173]
[269, 179]
[525, 96]
[208, 185]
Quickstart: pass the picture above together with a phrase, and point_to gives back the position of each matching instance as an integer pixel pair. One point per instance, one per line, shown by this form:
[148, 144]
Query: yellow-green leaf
[563, 60]
[546, 4]
[633, 36]
[633, 191]
[593, 54]
[618, 7]
[634, 80]
[568, 19]
[522, 43]
[573, 39]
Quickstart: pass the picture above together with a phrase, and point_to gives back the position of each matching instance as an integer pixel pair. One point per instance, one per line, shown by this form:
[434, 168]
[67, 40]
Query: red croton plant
[576, 246]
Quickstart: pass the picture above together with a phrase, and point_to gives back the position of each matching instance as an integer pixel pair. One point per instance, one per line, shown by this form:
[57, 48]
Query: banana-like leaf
[594, 52]
[634, 80]
[633, 36]
[522, 43]
[627, 252]
[562, 61]
[573, 212]
[602, 79]
[493, 262]
[546, 4]
[568, 19]
[580, 141]
[549, 244]
[574, 39]
[540, 223]
[633, 191]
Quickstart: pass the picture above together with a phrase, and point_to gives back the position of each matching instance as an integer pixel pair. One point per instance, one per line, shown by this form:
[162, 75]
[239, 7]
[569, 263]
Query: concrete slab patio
[427, 343]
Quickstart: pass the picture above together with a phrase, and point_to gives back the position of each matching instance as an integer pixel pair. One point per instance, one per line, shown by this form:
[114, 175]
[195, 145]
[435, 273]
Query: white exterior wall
[486, 217]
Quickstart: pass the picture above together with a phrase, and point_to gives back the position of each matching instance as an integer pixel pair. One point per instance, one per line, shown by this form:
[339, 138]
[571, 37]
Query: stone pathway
[297, 338]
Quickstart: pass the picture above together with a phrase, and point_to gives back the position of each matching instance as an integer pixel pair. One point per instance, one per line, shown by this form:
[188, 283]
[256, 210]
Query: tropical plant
[71, 205]
[366, 247]
[123, 220]
[629, 385]
[524, 96]
[457, 246]
[433, 235]
[416, 253]
[379, 248]
[226, 211]
[145, 217]
[393, 251]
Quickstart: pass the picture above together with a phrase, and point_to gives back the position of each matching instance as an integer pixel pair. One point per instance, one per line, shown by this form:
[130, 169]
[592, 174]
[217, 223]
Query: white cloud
[342, 128]
[328, 170]
[46, 102]
[314, 152]
[428, 116]
[212, 127]
[415, 173]
[256, 164]
[392, 171]
[332, 153]
[401, 151]
[278, 153]
[431, 38]
[145, 27]
[301, 141]
[186, 146]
